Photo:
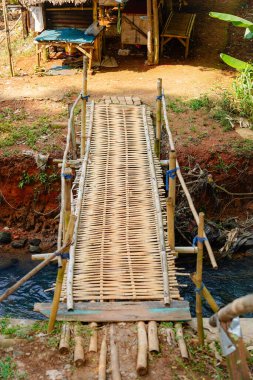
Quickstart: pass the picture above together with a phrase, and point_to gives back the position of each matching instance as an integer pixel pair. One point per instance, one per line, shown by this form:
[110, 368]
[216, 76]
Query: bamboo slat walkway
[119, 246]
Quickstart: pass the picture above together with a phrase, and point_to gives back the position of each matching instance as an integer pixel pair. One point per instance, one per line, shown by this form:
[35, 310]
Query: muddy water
[233, 279]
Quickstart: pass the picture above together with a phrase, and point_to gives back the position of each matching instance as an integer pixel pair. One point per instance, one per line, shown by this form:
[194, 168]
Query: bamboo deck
[118, 250]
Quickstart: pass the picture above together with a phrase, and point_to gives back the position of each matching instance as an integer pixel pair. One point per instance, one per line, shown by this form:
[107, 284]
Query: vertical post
[199, 279]
[172, 182]
[150, 33]
[156, 32]
[158, 118]
[84, 103]
[95, 10]
[38, 55]
[59, 279]
[8, 40]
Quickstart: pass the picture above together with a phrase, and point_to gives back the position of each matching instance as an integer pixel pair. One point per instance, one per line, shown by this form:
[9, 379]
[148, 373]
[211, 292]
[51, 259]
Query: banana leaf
[235, 63]
[235, 20]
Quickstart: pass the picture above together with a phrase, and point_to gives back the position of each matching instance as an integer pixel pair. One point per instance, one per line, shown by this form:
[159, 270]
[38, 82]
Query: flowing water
[233, 278]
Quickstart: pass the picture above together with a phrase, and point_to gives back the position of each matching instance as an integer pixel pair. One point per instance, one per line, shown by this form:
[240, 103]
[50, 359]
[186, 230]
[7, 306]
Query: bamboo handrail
[159, 214]
[64, 165]
[183, 184]
[70, 303]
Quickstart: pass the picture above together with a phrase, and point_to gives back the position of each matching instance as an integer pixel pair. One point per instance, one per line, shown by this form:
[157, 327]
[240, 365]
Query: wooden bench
[180, 26]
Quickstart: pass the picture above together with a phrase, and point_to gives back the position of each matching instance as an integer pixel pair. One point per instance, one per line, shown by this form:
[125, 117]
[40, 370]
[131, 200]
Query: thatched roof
[61, 2]
[28, 3]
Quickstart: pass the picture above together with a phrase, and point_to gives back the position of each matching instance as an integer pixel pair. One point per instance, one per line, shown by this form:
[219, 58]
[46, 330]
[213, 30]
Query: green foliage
[26, 179]
[198, 103]
[243, 148]
[235, 63]
[241, 23]
[7, 368]
[176, 106]
[243, 88]
[222, 117]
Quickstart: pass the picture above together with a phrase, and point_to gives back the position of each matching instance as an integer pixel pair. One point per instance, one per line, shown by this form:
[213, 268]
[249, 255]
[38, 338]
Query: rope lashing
[64, 256]
[200, 239]
[170, 174]
[199, 290]
[67, 176]
[159, 97]
[85, 97]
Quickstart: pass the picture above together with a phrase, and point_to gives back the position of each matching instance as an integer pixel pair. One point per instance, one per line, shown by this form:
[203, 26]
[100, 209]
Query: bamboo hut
[80, 24]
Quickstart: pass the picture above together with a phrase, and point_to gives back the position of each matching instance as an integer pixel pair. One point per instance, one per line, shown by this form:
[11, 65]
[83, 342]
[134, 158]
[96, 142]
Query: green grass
[198, 103]
[176, 106]
[243, 147]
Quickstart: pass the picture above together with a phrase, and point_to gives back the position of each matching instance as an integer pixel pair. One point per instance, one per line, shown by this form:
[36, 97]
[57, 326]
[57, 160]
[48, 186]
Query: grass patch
[243, 148]
[176, 106]
[198, 103]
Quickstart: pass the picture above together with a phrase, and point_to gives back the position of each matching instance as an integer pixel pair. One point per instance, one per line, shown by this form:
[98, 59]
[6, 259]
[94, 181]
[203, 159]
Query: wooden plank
[120, 311]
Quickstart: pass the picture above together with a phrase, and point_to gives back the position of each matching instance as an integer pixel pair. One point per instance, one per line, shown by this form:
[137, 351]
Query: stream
[232, 279]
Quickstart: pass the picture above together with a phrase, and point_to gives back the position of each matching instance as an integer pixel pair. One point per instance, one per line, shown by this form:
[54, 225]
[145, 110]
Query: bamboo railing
[171, 202]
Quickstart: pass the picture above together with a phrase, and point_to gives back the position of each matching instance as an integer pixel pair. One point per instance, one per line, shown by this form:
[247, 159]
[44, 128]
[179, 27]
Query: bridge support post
[84, 104]
[67, 198]
[158, 118]
[200, 239]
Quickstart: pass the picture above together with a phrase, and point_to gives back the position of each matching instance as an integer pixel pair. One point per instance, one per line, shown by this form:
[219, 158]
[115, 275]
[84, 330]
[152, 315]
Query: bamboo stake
[94, 338]
[181, 341]
[153, 342]
[170, 335]
[84, 104]
[199, 280]
[79, 358]
[102, 360]
[115, 367]
[8, 40]
[142, 358]
[34, 271]
[158, 118]
[206, 294]
[59, 279]
[65, 338]
[150, 33]
[156, 32]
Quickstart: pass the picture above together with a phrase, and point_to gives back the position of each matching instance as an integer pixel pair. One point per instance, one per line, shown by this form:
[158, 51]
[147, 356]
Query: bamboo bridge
[116, 221]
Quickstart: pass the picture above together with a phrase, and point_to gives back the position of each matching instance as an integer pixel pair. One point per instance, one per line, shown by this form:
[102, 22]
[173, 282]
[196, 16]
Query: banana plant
[241, 23]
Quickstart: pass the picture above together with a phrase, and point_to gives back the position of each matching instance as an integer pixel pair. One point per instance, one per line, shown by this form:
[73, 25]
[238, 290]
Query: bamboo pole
[180, 340]
[93, 347]
[150, 33]
[153, 342]
[185, 250]
[84, 104]
[95, 10]
[242, 305]
[158, 118]
[170, 224]
[8, 40]
[206, 294]
[199, 273]
[79, 358]
[142, 358]
[59, 279]
[115, 367]
[171, 202]
[65, 339]
[67, 197]
[102, 360]
[156, 32]
[34, 271]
